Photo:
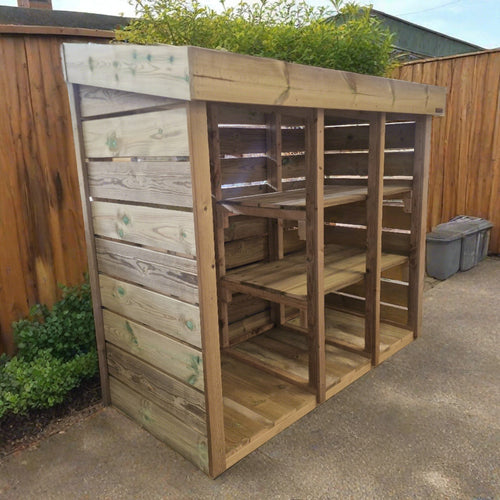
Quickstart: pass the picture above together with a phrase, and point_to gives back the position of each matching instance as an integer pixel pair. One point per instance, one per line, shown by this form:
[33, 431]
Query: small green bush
[56, 353]
[346, 38]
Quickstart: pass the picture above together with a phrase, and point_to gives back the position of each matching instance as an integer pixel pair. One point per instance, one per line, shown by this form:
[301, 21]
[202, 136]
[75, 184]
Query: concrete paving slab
[425, 424]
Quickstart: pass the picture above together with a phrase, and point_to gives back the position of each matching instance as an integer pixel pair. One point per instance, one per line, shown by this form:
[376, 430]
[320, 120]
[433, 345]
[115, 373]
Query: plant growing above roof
[345, 37]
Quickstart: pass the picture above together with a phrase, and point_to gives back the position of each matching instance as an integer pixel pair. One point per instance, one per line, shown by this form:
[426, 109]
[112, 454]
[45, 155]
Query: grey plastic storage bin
[475, 238]
[443, 253]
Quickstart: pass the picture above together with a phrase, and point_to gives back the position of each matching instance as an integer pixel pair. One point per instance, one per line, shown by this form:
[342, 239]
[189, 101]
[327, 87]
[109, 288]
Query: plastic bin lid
[481, 223]
[443, 236]
[463, 228]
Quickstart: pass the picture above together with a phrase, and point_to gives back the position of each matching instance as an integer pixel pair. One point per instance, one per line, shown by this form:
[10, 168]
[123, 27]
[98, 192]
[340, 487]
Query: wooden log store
[255, 234]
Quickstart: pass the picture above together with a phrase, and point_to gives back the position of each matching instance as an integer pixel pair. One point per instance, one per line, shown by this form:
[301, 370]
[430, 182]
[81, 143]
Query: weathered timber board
[158, 182]
[156, 70]
[174, 317]
[170, 356]
[158, 133]
[166, 427]
[171, 230]
[182, 401]
[160, 272]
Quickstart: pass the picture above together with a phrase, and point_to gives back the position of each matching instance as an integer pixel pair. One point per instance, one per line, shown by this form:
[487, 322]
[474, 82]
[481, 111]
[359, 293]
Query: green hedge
[56, 353]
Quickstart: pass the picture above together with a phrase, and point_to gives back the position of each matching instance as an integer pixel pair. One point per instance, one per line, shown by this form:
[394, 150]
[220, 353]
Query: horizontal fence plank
[161, 70]
[175, 318]
[161, 272]
[168, 355]
[178, 434]
[171, 230]
[398, 243]
[159, 133]
[159, 182]
[96, 101]
[182, 401]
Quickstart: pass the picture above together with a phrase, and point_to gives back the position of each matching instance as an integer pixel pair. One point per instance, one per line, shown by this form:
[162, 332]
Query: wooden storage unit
[255, 231]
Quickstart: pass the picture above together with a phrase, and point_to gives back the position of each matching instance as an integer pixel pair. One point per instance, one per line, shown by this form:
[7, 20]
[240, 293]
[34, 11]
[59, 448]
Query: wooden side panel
[158, 133]
[170, 230]
[161, 70]
[181, 436]
[165, 314]
[159, 182]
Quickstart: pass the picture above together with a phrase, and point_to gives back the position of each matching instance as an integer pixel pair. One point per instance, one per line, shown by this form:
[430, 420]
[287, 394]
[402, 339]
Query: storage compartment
[255, 232]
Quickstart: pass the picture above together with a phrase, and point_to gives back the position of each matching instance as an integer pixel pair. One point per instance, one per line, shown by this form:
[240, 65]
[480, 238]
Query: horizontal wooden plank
[172, 357]
[242, 252]
[243, 306]
[165, 229]
[231, 192]
[241, 170]
[398, 243]
[241, 226]
[390, 292]
[351, 304]
[177, 398]
[156, 70]
[160, 272]
[226, 77]
[355, 213]
[95, 101]
[178, 434]
[240, 114]
[399, 273]
[158, 133]
[159, 182]
[395, 163]
[250, 326]
[175, 318]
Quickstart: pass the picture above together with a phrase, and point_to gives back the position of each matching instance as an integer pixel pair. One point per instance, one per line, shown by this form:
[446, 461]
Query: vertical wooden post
[274, 177]
[418, 222]
[315, 252]
[207, 282]
[83, 181]
[374, 205]
[216, 182]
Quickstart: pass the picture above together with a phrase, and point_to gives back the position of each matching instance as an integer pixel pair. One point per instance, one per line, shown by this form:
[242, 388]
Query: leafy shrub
[292, 31]
[56, 352]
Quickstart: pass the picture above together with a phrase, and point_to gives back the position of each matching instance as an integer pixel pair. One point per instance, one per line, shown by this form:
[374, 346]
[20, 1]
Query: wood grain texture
[172, 357]
[95, 101]
[207, 278]
[157, 133]
[170, 230]
[91, 248]
[41, 227]
[160, 272]
[222, 76]
[464, 175]
[177, 398]
[160, 71]
[166, 427]
[374, 235]
[158, 182]
[165, 314]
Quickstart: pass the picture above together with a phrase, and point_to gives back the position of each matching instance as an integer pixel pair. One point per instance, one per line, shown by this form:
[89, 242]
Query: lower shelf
[258, 405]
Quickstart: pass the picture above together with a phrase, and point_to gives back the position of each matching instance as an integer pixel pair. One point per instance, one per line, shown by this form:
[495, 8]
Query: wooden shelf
[285, 281]
[291, 204]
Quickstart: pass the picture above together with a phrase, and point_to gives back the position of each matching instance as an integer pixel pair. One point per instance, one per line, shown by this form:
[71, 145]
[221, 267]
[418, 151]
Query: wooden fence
[465, 157]
[41, 227]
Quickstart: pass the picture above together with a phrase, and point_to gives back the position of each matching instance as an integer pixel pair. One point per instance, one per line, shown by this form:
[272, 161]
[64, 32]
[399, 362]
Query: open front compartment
[259, 182]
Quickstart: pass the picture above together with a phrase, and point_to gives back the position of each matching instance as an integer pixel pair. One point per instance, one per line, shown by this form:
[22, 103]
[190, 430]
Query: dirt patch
[20, 431]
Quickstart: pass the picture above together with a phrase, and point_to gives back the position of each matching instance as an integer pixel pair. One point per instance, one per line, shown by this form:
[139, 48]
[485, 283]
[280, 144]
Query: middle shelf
[285, 281]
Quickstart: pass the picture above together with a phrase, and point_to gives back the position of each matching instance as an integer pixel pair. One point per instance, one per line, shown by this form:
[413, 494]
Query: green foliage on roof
[283, 29]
